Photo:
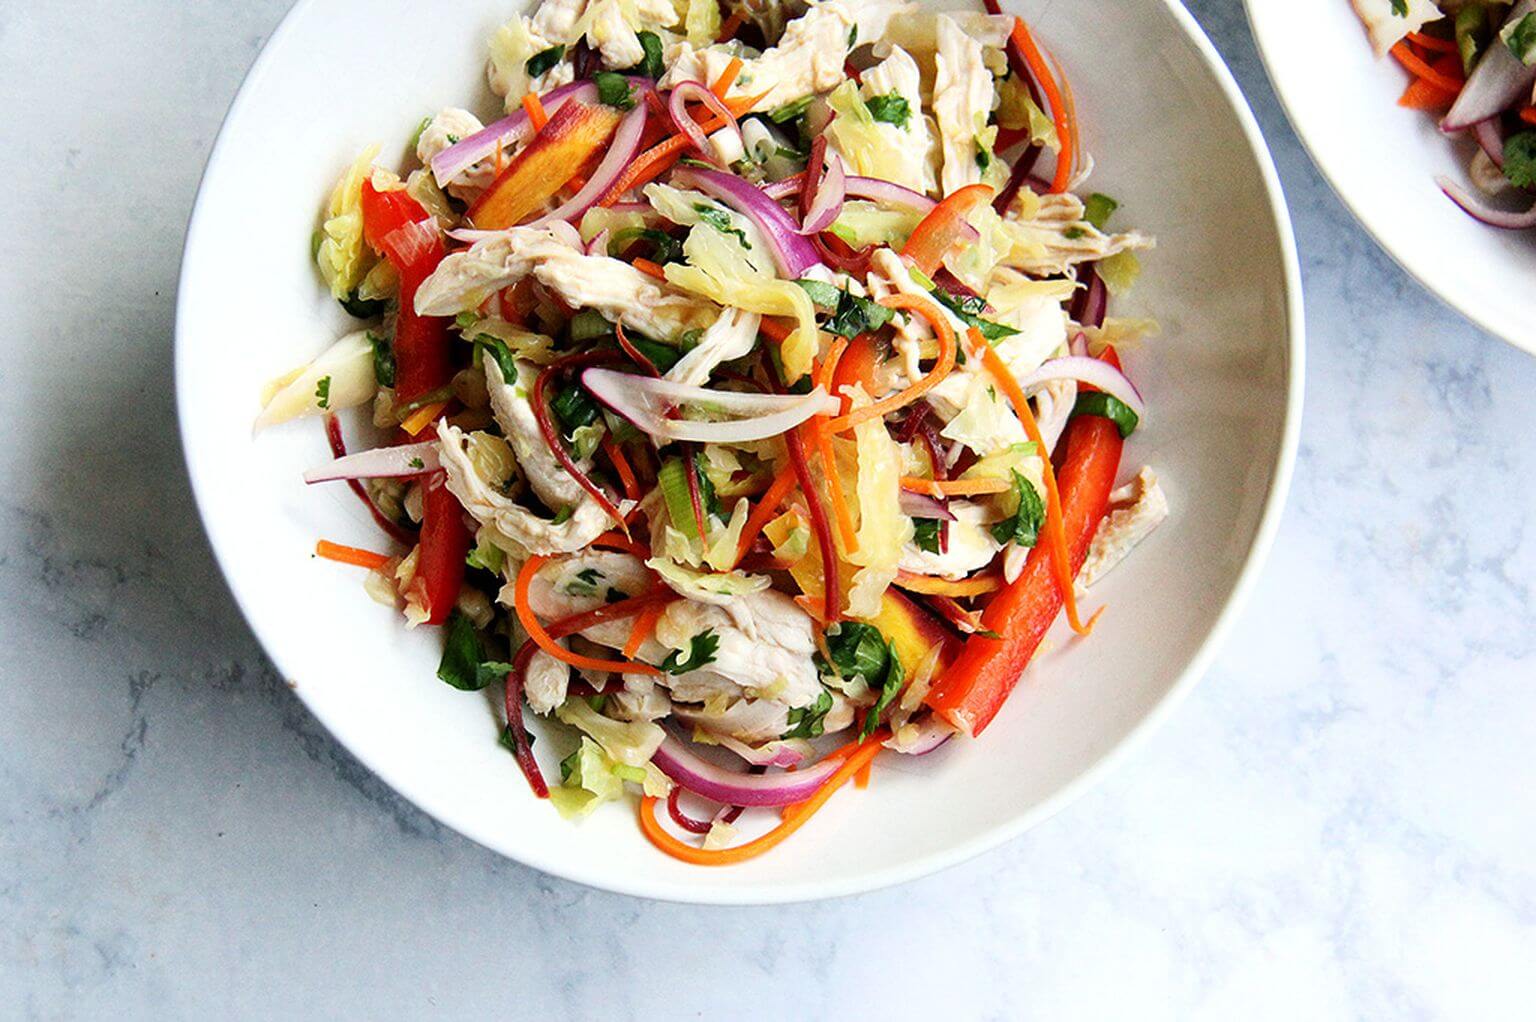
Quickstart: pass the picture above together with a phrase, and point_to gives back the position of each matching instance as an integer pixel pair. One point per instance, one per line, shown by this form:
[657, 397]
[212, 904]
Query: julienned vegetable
[712, 452]
[1493, 103]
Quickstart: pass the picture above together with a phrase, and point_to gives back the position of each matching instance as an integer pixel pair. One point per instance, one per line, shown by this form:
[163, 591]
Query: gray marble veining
[1337, 825]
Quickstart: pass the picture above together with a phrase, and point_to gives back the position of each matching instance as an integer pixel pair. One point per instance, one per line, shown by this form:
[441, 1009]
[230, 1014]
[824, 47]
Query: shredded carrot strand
[840, 510]
[644, 627]
[1059, 116]
[351, 555]
[501, 160]
[1416, 66]
[535, 109]
[655, 161]
[727, 78]
[1435, 43]
[1528, 115]
[774, 330]
[546, 642]
[791, 822]
[650, 269]
[766, 508]
[946, 364]
[955, 487]
[621, 466]
[861, 779]
[1055, 531]
[423, 417]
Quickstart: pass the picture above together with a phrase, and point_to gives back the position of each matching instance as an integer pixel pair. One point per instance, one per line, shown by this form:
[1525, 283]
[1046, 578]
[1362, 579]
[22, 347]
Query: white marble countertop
[1337, 825]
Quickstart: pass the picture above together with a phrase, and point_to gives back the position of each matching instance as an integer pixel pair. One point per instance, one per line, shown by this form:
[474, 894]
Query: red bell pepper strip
[423, 364]
[974, 688]
[423, 350]
[939, 231]
[445, 541]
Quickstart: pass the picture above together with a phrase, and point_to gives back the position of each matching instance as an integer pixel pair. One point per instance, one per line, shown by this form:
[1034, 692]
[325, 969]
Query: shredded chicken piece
[614, 288]
[1053, 238]
[971, 546]
[1136, 509]
[733, 335]
[962, 100]
[449, 126]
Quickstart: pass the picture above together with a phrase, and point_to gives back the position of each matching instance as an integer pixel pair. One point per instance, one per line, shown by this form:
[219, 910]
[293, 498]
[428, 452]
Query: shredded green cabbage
[343, 256]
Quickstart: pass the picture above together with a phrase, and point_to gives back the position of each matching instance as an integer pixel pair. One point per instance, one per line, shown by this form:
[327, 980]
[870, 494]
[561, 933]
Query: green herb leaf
[927, 534]
[650, 65]
[662, 356]
[701, 651]
[1400, 8]
[491, 672]
[1024, 527]
[821, 293]
[665, 248]
[585, 583]
[421, 129]
[467, 320]
[323, 392]
[967, 308]
[1520, 158]
[462, 654]
[1074, 233]
[853, 37]
[721, 221]
[614, 90]
[791, 111]
[544, 60]
[363, 308]
[858, 650]
[383, 360]
[983, 157]
[589, 325]
[889, 687]
[810, 721]
[1521, 39]
[497, 349]
[562, 516]
[1099, 403]
[1098, 209]
[892, 109]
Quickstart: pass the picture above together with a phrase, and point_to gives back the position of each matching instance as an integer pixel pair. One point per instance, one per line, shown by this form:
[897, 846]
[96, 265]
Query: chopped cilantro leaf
[614, 90]
[323, 392]
[721, 221]
[968, 307]
[810, 721]
[383, 360]
[544, 60]
[1024, 527]
[701, 651]
[892, 109]
[1520, 159]
[926, 534]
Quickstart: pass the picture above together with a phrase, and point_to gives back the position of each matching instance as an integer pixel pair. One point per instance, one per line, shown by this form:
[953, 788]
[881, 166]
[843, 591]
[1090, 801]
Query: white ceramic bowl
[1383, 159]
[1175, 143]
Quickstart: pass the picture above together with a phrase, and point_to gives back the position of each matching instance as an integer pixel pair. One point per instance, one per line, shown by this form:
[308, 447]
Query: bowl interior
[1383, 161]
[1177, 149]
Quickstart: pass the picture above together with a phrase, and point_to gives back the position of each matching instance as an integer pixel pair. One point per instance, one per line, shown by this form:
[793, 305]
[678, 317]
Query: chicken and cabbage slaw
[748, 389]
[1472, 63]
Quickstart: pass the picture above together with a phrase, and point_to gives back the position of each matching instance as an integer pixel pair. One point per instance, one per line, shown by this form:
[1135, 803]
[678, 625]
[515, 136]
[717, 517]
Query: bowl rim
[1280, 477]
[1496, 323]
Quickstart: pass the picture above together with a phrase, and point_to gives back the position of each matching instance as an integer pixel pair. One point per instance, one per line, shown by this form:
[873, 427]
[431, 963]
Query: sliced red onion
[1509, 220]
[510, 131]
[380, 463]
[712, 782]
[1092, 371]
[1490, 137]
[784, 189]
[621, 150]
[828, 203]
[792, 253]
[1495, 84]
[598, 246]
[1079, 345]
[677, 108]
[645, 403]
[920, 505]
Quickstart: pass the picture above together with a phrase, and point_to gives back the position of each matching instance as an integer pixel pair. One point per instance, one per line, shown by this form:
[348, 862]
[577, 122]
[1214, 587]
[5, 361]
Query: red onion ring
[598, 246]
[1479, 210]
[827, 204]
[1490, 136]
[920, 505]
[513, 129]
[1499, 79]
[391, 528]
[379, 463]
[644, 403]
[1095, 372]
[682, 819]
[791, 252]
[677, 109]
[729, 788]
